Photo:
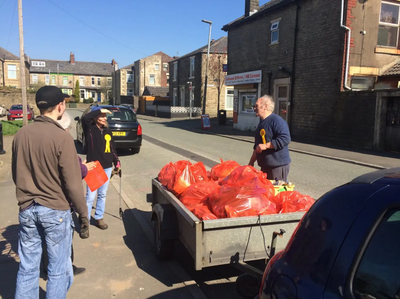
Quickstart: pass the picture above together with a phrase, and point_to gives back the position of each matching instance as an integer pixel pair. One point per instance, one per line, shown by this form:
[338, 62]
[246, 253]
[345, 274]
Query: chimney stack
[113, 62]
[251, 7]
[71, 58]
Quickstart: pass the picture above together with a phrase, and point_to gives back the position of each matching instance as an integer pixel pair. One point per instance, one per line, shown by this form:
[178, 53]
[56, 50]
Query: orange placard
[205, 121]
[96, 177]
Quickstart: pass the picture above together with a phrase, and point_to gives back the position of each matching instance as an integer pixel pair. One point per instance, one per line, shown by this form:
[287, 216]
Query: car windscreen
[118, 115]
[17, 107]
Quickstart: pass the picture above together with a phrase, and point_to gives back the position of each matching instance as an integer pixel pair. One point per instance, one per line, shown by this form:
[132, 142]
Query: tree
[77, 92]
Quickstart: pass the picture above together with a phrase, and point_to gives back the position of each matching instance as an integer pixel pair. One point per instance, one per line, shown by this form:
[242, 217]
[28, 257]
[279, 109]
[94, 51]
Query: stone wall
[15, 97]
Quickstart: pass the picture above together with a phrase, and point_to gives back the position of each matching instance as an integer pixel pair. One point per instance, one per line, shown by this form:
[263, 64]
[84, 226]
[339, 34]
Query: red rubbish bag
[167, 176]
[183, 180]
[222, 170]
[203, 213]
[196, 194]
[199, 172]
[96, 177]
[293, 201]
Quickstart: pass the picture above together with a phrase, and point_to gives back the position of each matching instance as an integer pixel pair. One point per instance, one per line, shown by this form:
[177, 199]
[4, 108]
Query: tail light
[139, 130]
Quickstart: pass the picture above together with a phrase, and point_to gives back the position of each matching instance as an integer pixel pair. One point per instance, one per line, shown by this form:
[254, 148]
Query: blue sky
[124, 30]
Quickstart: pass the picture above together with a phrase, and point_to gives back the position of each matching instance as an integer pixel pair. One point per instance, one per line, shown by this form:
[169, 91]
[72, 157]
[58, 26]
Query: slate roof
[393, 71]
[79, 68]
[4, 54]
[218, 46]
[128, 67]
[156, 91]
[269, 6]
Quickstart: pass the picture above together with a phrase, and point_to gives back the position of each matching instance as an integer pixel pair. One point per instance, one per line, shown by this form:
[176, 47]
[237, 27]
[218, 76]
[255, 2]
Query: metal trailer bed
[215, 242]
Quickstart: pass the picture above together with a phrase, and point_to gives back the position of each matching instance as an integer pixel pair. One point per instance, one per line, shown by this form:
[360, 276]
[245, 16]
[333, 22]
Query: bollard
[2, 151]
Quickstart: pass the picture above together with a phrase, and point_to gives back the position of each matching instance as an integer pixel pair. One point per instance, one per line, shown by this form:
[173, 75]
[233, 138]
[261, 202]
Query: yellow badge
[262, 133]
[107, 137]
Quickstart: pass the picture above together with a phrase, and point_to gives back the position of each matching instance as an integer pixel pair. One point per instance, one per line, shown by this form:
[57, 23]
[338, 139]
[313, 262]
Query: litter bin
[222, 117]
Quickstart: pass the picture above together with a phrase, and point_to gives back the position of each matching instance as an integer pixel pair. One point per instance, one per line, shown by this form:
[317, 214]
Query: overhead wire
[109, 37]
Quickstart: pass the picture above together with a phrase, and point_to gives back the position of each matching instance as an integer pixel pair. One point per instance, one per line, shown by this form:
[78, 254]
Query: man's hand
[263, 146]
[84, 232]
[89, 165]
[106, 111]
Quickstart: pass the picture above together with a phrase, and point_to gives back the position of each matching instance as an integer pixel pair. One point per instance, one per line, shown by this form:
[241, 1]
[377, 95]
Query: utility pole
[208, 58]
[22, 64]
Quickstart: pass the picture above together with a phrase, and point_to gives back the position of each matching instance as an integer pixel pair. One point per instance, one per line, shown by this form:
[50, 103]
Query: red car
[15, 112]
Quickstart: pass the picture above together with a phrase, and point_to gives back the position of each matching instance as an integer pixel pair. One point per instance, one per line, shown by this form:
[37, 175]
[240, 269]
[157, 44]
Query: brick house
[94, 78]
[10, 69]
[123, 82]
[324, 62]
[151, 71]
[188, 79]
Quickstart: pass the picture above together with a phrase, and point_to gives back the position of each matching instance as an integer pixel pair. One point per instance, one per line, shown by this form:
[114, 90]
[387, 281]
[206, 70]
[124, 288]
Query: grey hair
[65, 121]
[269, 101]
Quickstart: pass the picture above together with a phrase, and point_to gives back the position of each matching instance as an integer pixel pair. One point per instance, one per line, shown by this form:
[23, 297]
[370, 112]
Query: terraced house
[10, 69]
[95, 78]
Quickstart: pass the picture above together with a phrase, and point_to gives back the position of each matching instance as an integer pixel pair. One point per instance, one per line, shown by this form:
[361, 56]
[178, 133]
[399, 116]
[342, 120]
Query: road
[163, 144]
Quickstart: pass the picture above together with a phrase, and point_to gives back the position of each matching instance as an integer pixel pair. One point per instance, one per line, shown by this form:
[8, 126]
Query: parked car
[124, 126]
[345, 246]
[129, 106]
[16, 112]
[3, 110]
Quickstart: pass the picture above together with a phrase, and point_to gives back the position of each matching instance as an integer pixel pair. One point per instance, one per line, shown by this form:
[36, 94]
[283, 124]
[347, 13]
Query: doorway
[281, 96]
[182, 95]
[392, 138]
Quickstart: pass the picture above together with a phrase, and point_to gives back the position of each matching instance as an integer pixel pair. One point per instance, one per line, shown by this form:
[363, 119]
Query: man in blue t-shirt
[272, 138]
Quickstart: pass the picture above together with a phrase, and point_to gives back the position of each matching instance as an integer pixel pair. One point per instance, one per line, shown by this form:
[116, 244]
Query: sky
[124, 30]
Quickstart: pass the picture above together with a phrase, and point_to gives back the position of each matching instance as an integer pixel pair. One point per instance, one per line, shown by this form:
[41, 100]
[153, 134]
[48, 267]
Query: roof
[156, 91]
[158, 53]
[267, 7]
[79, 68]
[129, 66]
[4, 54]
[218, 46]
[392, 71]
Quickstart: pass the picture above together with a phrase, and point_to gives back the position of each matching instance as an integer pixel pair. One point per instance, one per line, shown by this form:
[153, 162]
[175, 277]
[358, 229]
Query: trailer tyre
[164, 248]
[247, 285]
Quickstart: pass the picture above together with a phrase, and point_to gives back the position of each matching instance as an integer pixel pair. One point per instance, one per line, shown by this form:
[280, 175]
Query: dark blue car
[346, 246]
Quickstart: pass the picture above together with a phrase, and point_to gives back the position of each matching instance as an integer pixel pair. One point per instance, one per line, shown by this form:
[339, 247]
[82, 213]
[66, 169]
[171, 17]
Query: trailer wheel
[164, 248]
[247, 285]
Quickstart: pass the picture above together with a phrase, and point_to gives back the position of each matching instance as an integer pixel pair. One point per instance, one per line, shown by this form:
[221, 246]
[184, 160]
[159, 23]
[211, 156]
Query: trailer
[220, 241]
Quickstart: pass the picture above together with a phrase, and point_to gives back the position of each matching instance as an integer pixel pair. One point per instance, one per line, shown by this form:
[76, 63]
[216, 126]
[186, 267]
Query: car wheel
[247, 285]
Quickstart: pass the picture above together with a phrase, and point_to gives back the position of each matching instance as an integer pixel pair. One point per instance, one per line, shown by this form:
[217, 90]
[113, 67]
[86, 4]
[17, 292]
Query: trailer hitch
[273, 241]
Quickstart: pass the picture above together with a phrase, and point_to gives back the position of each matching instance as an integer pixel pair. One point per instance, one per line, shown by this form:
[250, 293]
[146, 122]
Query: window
[274, 32]
[82, 81]
[378, 274]
[248, 100]
[93, 81]
[47, 79]
[109, 81]
[388, 25]
[93, 94]
[82, 93]
[130, 92]
[65, 80]
[129, 78]
[53, 80]
[67, 91]
[98, 81]
[182, 90]
[191, 96]
[191, 75]
[175, 71]
[156, 66]
[165, 67]
[34, 79]
[12, 71]
[152, 79]
[175, 96]
[229, 99]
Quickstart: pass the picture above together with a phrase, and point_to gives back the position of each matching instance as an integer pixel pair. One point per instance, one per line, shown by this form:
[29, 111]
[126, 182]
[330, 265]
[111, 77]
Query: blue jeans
[101, 197]
[55, 227]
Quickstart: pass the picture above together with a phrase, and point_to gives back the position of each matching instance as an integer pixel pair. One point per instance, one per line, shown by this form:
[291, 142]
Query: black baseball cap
[49, 96]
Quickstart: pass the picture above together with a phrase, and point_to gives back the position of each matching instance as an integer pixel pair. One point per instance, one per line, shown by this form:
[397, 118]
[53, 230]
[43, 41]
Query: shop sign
[243, 78]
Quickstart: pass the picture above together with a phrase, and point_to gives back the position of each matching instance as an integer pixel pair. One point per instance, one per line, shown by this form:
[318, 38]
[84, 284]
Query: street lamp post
[208, 56]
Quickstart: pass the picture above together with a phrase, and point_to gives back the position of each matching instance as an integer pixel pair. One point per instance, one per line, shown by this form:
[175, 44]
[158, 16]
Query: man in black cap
[47, 176]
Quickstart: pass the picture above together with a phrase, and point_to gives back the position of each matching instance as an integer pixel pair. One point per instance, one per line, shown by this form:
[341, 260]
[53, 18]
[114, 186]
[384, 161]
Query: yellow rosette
[107, 137]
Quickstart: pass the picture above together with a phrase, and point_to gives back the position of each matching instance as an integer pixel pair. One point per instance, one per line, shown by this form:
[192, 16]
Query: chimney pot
[251, 6]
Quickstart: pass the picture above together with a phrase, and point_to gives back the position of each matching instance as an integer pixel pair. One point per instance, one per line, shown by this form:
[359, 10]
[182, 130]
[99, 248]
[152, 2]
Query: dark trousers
[279, 173]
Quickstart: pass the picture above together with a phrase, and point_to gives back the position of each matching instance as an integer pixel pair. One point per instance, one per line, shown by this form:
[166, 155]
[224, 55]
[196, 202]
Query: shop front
[247, 89]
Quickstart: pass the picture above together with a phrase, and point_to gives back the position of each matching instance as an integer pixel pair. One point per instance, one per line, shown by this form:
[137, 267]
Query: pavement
[111, 270]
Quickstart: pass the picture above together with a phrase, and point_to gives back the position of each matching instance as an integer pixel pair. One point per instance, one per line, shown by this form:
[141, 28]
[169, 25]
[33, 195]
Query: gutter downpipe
[346, 71]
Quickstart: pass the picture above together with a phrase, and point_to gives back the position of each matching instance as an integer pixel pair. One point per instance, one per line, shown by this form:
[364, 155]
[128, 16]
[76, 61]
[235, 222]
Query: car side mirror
[76, 118]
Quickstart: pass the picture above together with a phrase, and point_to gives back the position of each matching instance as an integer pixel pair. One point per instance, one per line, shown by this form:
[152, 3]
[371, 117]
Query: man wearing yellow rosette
[272, 138]
[100, 147]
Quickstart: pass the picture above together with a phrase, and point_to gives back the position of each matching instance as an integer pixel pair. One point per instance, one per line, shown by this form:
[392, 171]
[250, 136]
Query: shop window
[388, 33]
[247, 101]
[378, 274]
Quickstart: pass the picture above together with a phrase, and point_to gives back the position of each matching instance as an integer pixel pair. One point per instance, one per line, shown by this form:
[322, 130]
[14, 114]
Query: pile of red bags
[228, 191]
